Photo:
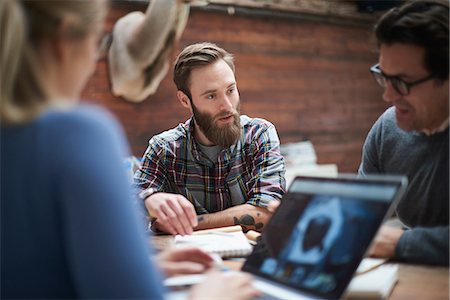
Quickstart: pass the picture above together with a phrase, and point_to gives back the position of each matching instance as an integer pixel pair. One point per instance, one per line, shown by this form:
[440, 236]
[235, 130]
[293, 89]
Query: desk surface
[421, 282]
[415, 281]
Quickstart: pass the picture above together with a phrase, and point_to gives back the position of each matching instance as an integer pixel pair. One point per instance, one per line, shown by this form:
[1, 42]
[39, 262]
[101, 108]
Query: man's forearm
[425, 245]
[250, 217]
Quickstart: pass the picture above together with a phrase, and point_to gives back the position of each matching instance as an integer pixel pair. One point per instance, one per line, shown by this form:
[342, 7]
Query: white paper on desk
[369, 263]
[225, 244]
[375, 284]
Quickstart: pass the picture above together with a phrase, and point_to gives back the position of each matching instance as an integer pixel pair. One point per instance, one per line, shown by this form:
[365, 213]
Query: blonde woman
[68, 228]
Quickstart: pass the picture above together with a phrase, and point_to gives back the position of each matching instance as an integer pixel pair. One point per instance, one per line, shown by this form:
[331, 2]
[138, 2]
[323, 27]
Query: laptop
[314, 242]
[316, 239]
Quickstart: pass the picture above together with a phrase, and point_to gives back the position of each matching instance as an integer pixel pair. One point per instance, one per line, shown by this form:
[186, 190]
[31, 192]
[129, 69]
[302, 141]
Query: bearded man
[218, 168]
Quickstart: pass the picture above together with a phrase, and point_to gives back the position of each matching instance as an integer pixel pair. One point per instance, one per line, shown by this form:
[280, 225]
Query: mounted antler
[141, 45]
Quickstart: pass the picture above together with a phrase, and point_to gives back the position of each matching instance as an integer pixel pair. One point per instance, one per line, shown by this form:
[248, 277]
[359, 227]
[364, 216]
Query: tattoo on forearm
[248, 223]
[200, 219]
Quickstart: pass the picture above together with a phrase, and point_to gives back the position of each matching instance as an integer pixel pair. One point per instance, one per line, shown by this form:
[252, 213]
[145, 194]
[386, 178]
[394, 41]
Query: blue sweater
[68, 225]
[425, 207]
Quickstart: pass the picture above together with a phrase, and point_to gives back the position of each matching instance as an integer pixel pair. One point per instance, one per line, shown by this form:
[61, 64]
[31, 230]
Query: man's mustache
[226, 114]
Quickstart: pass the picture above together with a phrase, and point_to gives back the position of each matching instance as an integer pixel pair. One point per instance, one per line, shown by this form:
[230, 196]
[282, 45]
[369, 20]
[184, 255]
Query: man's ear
[184, 99]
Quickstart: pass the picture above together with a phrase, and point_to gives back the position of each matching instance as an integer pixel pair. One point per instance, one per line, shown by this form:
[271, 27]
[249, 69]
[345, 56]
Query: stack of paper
[299, 153]
[301, 159]
[373, 280]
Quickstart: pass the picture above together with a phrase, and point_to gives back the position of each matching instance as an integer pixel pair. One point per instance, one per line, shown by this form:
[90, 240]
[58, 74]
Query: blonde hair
[23, 25]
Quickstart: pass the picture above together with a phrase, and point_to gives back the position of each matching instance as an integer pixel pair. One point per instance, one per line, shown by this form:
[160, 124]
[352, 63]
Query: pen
[371, 268]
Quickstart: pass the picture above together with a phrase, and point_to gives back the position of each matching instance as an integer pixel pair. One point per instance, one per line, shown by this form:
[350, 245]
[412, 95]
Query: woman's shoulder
[79, 116]
[83, 124]
[80, 121]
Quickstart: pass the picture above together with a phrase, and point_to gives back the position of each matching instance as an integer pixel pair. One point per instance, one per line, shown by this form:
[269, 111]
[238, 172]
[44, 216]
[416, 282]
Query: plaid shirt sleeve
[152, 173]
[267, 183]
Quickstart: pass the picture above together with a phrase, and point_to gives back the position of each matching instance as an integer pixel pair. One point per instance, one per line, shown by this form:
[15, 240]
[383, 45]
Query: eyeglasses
[397, 83]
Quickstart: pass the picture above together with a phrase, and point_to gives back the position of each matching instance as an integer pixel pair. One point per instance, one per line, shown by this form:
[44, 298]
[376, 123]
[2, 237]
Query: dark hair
[423, 23]
[195, 55]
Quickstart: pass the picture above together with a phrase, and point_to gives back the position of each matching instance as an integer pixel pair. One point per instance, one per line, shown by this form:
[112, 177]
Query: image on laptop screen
[318, 236]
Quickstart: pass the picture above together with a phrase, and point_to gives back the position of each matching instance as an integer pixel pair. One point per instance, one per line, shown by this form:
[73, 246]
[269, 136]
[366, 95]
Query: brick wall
[308, 76]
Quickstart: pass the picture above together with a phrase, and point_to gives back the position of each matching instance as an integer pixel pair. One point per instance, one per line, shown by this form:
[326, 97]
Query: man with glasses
[412, 136]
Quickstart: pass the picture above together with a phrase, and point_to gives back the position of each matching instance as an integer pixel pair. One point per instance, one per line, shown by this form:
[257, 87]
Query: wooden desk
[415, 281]
[421, 282]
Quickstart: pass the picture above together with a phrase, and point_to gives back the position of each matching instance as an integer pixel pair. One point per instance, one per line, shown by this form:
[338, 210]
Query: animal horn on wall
[141, 47]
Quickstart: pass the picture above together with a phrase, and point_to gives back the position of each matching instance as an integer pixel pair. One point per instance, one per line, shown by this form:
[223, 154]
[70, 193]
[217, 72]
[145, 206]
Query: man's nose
[225, 103]
[390, 94]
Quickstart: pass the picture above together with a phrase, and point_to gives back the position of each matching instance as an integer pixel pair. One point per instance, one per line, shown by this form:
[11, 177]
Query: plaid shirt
[250, 171]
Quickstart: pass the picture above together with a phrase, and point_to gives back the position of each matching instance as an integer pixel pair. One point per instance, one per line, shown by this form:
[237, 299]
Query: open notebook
[226, 242]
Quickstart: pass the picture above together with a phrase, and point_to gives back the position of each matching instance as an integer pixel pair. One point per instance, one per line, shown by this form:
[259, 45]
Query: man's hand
[174, 213]
[189, 260]
[385, 242]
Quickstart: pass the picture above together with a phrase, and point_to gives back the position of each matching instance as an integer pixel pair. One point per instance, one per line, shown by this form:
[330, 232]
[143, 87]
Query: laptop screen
[317, 237]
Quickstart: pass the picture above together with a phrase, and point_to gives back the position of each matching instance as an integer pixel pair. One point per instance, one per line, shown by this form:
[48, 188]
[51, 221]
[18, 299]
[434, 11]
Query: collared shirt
[440, 128]
[250, 171]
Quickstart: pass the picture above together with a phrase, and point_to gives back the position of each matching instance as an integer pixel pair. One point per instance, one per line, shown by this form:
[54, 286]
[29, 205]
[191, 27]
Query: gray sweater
[424, 209]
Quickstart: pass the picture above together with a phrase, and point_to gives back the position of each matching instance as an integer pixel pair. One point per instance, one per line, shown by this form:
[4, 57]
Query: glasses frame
[397, 83]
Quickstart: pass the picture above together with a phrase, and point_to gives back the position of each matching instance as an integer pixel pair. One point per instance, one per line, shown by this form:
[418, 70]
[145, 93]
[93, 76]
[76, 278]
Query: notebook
[373, 280]
[315, 240]
[227, 243]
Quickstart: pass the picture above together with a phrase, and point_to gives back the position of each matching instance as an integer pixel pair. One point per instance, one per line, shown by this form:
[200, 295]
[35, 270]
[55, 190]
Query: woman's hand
[226, 285]
[189, 260]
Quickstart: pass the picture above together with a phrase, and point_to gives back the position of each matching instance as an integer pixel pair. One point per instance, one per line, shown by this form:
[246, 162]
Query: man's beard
[225, 135]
